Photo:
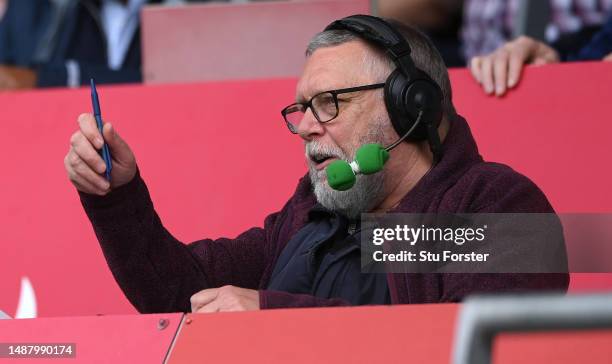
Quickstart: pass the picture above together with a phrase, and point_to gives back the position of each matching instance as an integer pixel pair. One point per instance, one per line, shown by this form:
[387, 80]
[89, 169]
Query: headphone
[413, 101]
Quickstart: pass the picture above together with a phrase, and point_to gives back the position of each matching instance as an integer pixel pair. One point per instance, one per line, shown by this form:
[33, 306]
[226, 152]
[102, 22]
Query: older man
[307, 254]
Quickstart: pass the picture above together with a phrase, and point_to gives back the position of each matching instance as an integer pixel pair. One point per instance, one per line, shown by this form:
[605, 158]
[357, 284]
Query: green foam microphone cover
[371, 158]
[340, 175]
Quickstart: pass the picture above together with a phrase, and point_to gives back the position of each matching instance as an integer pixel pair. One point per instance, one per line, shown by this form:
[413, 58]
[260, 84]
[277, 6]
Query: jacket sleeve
[157, 272]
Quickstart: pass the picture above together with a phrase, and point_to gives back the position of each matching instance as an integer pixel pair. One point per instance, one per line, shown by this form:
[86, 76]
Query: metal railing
[482, 318]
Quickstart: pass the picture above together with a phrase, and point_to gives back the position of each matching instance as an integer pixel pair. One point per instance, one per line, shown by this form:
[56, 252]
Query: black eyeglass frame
[334, 93]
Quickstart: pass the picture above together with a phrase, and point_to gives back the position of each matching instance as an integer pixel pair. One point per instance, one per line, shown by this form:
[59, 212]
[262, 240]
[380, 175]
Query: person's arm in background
[156, 272]
[501, 70]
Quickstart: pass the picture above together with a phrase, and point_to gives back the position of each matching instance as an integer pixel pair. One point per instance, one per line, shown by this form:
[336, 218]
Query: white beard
[366, 194]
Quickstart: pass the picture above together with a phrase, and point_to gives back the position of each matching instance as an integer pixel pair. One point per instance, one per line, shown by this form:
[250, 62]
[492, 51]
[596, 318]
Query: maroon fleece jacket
[158, 273]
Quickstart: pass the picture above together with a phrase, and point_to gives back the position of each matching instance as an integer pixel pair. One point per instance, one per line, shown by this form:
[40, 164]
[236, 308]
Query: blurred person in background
[45, 43]
[500, 70]
[489, 24]
[439, 19]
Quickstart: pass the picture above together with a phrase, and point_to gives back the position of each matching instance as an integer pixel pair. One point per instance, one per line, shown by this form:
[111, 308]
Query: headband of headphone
[381, 33]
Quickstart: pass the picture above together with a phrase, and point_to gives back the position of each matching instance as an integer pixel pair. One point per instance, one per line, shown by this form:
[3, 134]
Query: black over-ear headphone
[411, 96]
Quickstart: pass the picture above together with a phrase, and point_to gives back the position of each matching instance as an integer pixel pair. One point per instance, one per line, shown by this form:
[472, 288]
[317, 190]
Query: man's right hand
[85, 166]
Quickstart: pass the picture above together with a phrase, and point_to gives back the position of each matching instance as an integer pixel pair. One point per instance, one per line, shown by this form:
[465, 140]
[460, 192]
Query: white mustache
[316, 150]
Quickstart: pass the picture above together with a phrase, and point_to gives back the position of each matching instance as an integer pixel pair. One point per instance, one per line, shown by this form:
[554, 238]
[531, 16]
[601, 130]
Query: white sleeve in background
[74, 74]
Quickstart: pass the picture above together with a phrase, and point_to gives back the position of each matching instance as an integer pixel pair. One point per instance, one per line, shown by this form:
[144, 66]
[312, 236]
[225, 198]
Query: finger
[89, 128]
[214, 306]
[515, 67]
[118, 148]
[475, 65]
[79, 182]
[83, 148]
[487, 74]
[80, 168]
[86, 173]
[608, 58]
[500, 72]
[203, 297]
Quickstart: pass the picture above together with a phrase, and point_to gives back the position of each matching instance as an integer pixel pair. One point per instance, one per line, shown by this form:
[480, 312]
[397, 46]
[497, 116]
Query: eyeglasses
[324, 106]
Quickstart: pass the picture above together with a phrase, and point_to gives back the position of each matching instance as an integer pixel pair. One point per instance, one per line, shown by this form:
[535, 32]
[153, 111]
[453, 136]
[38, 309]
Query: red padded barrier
[102, 339]
[413, 333]
[375, 334]
[218, 158]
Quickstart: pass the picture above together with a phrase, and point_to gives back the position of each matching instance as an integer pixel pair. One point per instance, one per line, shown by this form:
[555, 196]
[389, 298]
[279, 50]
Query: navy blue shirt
[324, 260]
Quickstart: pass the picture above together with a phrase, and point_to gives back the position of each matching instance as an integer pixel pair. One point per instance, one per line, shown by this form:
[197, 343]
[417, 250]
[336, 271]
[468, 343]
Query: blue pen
[98, 115]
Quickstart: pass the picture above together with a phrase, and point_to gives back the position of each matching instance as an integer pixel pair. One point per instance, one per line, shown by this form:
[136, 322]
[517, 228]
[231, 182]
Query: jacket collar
[460, 152]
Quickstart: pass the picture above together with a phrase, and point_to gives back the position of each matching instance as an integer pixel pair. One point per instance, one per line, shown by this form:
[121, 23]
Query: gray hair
[424, 55]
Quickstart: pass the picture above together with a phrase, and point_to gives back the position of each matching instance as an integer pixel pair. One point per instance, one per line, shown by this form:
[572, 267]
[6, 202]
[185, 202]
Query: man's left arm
[230, 298]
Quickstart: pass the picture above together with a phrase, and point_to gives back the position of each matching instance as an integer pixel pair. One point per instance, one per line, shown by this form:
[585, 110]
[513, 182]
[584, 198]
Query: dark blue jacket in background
[80, 38]
[599, 46]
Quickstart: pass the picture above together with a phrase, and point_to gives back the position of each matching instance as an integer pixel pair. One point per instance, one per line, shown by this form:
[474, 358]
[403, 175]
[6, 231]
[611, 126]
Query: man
[307, 254]
[46, 43]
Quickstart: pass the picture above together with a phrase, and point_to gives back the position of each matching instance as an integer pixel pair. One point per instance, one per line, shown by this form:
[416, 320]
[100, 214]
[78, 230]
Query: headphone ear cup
[423, 95]
[405, 99]
[394, 101]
